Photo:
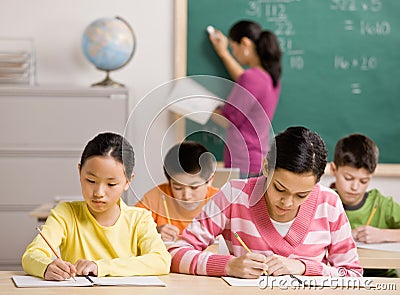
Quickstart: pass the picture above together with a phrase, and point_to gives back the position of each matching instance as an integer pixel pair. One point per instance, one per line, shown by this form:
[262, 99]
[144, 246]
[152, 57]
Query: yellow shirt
[130, 247]
[179, 217]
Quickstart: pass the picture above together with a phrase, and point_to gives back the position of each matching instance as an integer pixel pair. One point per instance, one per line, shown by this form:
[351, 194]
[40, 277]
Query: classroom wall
[56, 28]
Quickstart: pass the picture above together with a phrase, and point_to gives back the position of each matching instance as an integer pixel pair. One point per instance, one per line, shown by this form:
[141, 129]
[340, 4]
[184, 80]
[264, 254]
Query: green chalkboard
[341, 64]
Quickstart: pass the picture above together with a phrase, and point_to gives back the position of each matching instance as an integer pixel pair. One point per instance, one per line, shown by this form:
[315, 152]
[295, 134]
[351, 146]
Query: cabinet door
[50, 122]
[43, 133]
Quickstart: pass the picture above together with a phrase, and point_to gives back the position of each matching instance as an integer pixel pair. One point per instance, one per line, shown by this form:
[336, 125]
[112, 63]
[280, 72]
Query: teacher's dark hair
[300, 151]
[267, 46]
[111, 145]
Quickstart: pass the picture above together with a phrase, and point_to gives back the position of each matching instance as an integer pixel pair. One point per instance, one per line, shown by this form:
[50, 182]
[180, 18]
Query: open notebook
[30, 281]
[392, 247]
[286, 282]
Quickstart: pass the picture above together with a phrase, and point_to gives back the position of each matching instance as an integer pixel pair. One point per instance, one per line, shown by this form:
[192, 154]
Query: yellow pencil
[372, 214]
[242, 243]
[248, 250]
[166, 209]
[48, 243]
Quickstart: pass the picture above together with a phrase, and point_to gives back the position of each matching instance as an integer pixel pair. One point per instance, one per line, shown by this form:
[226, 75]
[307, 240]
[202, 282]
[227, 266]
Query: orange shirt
[179, 217]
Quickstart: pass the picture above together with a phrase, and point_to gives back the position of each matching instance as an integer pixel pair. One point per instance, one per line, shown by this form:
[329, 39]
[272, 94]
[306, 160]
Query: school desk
[185, 284]
[42, 211]
[379, 259]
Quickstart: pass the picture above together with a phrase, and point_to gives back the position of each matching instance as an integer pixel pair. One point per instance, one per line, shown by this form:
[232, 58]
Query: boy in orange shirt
[189, 168]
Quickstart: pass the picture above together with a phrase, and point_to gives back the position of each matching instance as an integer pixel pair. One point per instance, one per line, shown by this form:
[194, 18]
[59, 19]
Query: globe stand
[108, 82]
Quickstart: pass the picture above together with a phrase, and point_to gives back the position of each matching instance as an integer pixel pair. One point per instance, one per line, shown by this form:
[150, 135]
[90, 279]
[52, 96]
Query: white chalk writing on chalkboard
[339, 56]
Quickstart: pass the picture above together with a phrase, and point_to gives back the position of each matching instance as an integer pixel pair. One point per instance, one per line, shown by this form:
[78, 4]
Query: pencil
[48, 243]
[242, 243]
[248, 250]
[297, 279]
[245, 247]
[166, 209]
[51, 247]
[372, 214]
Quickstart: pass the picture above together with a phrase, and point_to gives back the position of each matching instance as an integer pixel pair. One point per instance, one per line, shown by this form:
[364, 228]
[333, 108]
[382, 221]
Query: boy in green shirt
[374, 218]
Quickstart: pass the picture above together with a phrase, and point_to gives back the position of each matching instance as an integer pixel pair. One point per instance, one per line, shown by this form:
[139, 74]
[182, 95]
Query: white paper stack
[192, 100]
[17, 62]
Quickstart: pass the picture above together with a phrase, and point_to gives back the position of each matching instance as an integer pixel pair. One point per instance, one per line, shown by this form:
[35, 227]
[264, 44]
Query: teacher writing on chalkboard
[255, 65]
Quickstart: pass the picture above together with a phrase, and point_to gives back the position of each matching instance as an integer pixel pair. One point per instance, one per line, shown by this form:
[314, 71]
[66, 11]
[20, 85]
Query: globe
[109, 44]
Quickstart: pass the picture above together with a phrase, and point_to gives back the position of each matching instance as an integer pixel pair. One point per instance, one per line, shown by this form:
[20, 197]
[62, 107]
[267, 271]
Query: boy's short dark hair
[189, 157]
[358, 151]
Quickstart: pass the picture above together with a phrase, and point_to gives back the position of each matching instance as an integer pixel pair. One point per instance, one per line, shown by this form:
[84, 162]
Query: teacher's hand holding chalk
[211, 31]
[219, 41]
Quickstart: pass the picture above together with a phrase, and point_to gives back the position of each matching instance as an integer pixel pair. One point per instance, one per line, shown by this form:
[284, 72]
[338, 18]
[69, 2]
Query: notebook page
[128, 281]
[32, 282]
[392, 247]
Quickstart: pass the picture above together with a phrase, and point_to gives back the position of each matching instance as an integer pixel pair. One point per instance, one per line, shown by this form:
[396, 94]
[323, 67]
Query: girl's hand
[368, 234]
[279, 265]
[248, 266]
[59, 270]
[84, 267]
[169, 232]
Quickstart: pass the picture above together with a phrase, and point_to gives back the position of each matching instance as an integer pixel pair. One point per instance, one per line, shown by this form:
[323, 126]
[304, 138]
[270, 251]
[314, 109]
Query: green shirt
[387, 216]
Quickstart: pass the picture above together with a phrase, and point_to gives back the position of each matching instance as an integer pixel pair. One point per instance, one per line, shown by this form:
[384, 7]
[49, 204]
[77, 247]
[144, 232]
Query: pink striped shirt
[320, 235]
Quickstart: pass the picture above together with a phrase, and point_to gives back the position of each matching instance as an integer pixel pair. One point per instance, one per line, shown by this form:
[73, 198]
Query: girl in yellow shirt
[101, 235]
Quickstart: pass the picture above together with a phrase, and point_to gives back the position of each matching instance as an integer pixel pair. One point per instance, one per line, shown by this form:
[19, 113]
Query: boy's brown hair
[358, 151]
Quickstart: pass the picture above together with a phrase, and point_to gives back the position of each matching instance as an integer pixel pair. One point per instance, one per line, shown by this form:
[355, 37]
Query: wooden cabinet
[42, 134]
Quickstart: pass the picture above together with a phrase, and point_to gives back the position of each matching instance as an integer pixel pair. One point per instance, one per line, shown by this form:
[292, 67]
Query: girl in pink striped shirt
[290, 223]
